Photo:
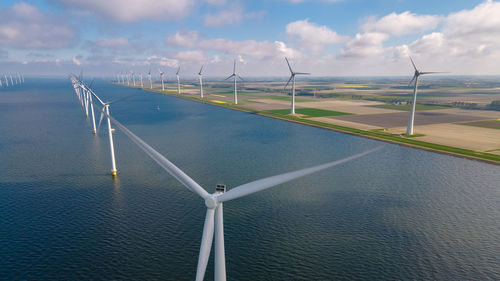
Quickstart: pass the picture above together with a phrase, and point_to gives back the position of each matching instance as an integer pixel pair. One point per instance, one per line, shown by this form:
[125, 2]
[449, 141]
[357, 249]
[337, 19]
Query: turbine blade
[288, 81]
[100, 119]
[265, 183]
[291, 71]
[120, 99]
[163, 162]
[432, 72]
[206, 244]
[241, 78]
[414, 76]
[413, 64]
[199, 73]
[301, 73]
[234, 67]
[229, 76]
[178, 69]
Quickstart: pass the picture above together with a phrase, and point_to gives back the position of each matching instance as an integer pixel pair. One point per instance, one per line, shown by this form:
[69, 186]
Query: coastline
[394, 139]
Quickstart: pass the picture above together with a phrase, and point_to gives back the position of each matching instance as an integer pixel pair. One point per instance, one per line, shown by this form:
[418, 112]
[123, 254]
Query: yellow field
[218, 101]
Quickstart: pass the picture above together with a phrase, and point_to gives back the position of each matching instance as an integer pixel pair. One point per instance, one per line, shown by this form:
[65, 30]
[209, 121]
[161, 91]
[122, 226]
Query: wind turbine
[105, 112]
[142, 84]
[409, 129]
[292, 77]
[161, 77]
[6, 81]
[22, 76]
[11, 81]
[200, 75]
[178, 81]
[1, 84]
[150, 81]
[133, 77]
[213, 202]
[235, 76]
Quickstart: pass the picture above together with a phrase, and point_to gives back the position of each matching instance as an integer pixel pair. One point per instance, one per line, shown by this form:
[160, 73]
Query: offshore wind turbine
[214, 215]
[161, 77]
[200, 76]
[416, 75]
[150, 81]
[235, 76]
[292, 77]
[178, 81]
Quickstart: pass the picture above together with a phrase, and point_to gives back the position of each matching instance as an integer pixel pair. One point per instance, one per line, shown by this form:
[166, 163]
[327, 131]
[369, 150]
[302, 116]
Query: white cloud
[252, 48]
[191, 56]
[25, 26]
[364, 45]
[234, 15]
[313, 36]
[76, 61]
[133, 10]
[114, 43]
[400, 24]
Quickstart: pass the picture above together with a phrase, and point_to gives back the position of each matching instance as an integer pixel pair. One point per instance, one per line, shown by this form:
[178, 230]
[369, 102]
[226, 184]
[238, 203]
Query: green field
[309, 112]
[407, 107]
[286, 98]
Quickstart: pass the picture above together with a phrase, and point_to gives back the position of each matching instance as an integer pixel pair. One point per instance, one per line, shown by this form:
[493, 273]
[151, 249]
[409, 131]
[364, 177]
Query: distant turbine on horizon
[161, 77]
[6, 81]
[142, 84]
[200, 75]
[292, 77]
[150, 81]
[178, 81]
[416, 75]
[133, 77]
[235, 76]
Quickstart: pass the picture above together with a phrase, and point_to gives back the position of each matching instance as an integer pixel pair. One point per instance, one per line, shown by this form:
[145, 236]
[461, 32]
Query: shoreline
[394, 139]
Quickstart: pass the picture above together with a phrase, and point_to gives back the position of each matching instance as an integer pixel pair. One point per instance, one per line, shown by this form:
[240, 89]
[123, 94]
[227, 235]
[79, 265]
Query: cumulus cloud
[251, 48]
[364, 45]
[133, 10]
[313, 36]
[191, 56]
[25, 26]
[401, 24]
[234, 15]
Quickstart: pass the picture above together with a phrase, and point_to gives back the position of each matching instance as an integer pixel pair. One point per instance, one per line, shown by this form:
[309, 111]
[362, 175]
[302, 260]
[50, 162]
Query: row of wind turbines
[121, 77]
[15, 79]
[213, 229]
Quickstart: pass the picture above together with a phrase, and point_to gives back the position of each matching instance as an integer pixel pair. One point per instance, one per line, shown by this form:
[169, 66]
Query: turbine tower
[214, 214]
[6, 81]
[178, 81]
[416, 75]
[150, 81]
[292, 77]
[133, 77]
[11, 81]
[200, 75]
[235, 76]
[142, 84]
[161, 77]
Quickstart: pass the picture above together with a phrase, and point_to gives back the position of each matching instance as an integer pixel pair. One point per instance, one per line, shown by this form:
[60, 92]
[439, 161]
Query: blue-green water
[400, 213]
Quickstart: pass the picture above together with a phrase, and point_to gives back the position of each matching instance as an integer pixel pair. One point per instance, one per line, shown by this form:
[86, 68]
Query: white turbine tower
[178, 81]
[161, 77]
[200, 75]
[1, 84]
[22, 76]
[105, 112]
[11, 81]
[416, 75]
[214, 215]
[6, 81]
[128, 77]
[142, 84]
[123, 78]
[235, 76]
[292, 77]
[133, 77]
[150, 81]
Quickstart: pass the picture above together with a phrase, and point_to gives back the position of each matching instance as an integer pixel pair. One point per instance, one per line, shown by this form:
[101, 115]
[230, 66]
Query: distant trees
[495, 105]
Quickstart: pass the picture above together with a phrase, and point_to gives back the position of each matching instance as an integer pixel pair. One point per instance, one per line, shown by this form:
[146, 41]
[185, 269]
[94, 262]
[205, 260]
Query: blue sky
[324, 37]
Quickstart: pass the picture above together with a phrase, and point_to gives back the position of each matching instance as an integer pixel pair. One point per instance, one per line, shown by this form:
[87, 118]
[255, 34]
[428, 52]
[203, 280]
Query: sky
[323, 37]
